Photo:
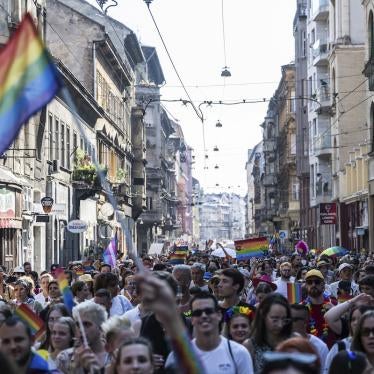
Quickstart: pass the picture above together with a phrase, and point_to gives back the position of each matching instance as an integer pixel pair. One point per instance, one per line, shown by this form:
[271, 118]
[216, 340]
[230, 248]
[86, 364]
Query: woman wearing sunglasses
[272, 325]
[363, 339]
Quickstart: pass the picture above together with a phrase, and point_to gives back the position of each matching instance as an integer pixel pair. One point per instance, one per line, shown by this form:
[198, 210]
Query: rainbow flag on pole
[248, 248]
[66, 293]
[294, 293]
[110, 254]
[178, 255]
[28, 80]
[35, 323]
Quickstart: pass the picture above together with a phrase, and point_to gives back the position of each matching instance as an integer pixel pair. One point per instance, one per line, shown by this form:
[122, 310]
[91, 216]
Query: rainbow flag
[110, 254]
[178, 255]
[35, 323]
[294, 293]
[66, 293]
[28, 80]
[248, 248]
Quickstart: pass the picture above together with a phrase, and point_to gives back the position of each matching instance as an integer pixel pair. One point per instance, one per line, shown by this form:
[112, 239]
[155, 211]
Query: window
[62, 144]
[293, 101]
[68, 150]
[312, 184]
[314, 127]
[50, 137]
[371, 126]
[57, 141]
[293, 144]
[371, 35]
[295, 189]
[303, 44]
[75, 145]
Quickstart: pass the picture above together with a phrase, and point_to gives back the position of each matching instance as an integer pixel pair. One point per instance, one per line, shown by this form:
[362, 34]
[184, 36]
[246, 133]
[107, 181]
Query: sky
[258, 41]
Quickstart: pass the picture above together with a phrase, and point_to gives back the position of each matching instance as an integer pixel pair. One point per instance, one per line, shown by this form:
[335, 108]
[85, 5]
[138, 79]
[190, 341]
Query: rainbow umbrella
[334, 251]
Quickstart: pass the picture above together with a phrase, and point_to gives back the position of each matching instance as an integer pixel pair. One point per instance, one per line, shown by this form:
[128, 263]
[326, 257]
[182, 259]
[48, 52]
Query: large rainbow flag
[35, 323]
[254, 247]
[28, 80]
[178, 255]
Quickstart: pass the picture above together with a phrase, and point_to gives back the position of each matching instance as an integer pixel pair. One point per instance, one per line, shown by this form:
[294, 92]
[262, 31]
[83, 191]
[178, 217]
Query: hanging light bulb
[218, 124]
[216, 167]
[217, 184]
[206, 156]
[215, 149]
[225, 72]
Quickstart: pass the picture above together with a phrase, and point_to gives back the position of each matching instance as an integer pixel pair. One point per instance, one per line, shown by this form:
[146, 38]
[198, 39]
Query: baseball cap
[85, 278]
[343, 266]
[19, 269]
[322, 263]
[314, 273]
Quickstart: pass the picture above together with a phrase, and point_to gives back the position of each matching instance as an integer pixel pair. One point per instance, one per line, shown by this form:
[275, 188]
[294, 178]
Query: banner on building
[327, 213]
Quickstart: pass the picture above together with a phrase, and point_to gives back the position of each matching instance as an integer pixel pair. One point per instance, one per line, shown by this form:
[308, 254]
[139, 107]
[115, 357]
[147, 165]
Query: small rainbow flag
[294, 293]
[66, 292]
[178, 255]
[35, 323]
[28, 80]
[248, 248]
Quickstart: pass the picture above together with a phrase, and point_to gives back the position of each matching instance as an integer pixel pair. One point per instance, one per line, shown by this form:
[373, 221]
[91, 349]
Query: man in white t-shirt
[300, 318]
[43, 296]
[218, 354]
[285, 277]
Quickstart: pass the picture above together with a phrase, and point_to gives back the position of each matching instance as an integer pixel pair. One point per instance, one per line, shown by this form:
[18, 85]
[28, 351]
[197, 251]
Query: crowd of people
[207, 315]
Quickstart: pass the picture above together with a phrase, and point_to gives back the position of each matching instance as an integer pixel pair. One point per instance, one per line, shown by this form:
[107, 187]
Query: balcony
[320, 10]
[269, 180]
[369, 72]
[322, 145]
[324, 100]
[320, 53]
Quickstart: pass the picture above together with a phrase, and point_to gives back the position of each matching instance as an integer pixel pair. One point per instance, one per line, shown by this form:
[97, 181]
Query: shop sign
[7, 203]
[58, 209]
[47, 204]
[77, 226]
[327, 213]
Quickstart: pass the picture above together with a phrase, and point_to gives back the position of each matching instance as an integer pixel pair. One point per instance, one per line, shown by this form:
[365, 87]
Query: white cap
[343, 266]
[19, 269]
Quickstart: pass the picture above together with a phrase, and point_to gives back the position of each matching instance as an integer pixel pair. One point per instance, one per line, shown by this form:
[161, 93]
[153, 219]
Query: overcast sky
[259, 39]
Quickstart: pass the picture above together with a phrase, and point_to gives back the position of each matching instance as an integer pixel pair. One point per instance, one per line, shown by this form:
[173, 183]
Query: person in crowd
[43, 296]
[285, 277]
[214, 350]
[318, 304]
[54, 294]
[55, 312]
[81, 358]
[134, 356]
[272, 324]
[213, 286]
[301, 273]
[295, 264]
[116, 330]
[366, 285]
[105, 268]
[284, 362]
[262, 287]
[27, 268]
[363, 338]
[5, 311]
[140, 310]
[348, 362]
[345, 273]
[69, 276]
[120, 303]
[16, 343]
[103, 298]
[182, 274]
[86, 278]
[230, 286]
[324, 267]
[238, 325]
[62, 337]
[300, 344]
[80, 291]
[18, 271]
[35, 277]
[22, 295]
[6, 290]
[197, 274]
[300, 318]
[130, 289]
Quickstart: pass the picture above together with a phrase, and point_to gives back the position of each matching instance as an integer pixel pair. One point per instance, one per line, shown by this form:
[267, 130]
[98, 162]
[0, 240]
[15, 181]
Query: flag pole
[104, 183]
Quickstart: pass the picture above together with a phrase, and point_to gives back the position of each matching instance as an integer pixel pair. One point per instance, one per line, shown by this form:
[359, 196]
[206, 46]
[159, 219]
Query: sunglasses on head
[199, 312]
[317, 282]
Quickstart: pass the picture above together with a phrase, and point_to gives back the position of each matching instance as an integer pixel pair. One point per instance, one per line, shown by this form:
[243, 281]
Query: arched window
[371, 36]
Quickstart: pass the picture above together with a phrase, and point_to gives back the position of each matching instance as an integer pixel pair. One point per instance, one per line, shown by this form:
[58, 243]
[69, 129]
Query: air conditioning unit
[55, 167]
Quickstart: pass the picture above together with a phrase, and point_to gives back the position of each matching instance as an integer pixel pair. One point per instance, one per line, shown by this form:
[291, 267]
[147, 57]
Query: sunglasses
[199, 312]
[367, 332]
[317, 282]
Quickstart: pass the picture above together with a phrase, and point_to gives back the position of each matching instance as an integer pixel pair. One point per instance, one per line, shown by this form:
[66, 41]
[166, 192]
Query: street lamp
[225, 72]
[218, 124]
[215, 149]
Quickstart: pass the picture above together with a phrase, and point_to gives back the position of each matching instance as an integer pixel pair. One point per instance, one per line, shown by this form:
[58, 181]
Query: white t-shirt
[41, 299]
[321, 349]
[133, 315]
[120, 305]
[219, 360]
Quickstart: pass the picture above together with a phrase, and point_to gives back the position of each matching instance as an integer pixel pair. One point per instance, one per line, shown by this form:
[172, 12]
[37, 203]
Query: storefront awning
[7, 177]
[10, 223]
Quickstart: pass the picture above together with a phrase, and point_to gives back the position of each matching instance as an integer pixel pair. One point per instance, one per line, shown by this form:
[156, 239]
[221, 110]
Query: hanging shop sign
[327, 213]
[77, 226]
[47, 204]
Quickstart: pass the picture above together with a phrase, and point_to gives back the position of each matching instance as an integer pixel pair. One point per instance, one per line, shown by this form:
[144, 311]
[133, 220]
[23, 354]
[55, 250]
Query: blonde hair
[112, 326]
